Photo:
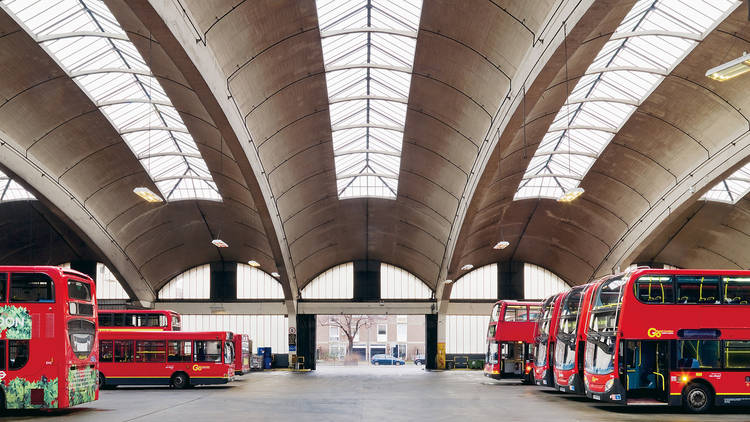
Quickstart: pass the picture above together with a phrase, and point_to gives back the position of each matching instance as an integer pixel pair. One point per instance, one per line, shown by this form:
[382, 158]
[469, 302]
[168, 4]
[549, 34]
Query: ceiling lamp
[275, 274]
[219, 243]
[730, 69]
[147, 194]
[501, 244]
[570, 195]
[467, 267]
[252, 263]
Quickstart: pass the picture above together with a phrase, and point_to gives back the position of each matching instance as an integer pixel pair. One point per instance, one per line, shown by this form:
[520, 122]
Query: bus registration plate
[596, 397]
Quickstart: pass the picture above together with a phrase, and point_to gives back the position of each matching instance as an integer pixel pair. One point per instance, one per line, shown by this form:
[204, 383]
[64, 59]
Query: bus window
[534, 313]
[176, 322]
[123, 350]
[207, 351]
[149, 351]
[105, 320]
[698, 354]
[79, 290]
[515, 313]
[737, 290]
[106, 351]
[18, 354]
[82, 335]
[495, 313]
[655, 289]
[2, 355]
[31, 287]
[228, 352]
[3, 285]
[179, 351]
[737, 354]
[697, 289]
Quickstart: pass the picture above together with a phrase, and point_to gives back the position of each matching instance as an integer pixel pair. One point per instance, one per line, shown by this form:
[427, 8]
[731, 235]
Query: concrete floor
[382, 394]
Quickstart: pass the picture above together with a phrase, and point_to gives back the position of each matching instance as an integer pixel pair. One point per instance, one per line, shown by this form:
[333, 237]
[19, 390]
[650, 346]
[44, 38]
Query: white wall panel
[253, 283]
[264, 330]
[466, 333]
[397, 283]
[107, 286]
[194, 283]
[335, 283]
[480, 283]
[540, 283]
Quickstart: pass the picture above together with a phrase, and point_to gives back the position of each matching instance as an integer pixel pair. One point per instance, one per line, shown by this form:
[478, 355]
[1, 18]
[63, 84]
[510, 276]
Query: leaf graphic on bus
[16, 322]
[18, 393]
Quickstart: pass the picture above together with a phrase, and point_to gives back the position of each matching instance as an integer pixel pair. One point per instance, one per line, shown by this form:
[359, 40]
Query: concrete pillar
[306, 324]
[86, 267]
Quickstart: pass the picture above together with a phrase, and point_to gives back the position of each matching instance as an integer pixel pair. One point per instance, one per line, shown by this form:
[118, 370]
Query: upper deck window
[698, 289]
[31, 287]
[655, 289]
[515, 314]
[79, 290]
[737, 290]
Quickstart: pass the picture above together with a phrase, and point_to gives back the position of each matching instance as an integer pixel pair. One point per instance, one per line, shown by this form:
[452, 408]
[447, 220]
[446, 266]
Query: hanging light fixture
[501, 244]
[220, 243]
[253, 263]
[467, 267]
[570, 195]
[147, 194]
[730, 69]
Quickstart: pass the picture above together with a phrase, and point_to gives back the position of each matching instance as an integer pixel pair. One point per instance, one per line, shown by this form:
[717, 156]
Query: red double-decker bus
[243, 347]
[571, 337]
[544, 341]
[678, 337]
[48, 352]
[510, 337]
[139, 319]
[175, 358]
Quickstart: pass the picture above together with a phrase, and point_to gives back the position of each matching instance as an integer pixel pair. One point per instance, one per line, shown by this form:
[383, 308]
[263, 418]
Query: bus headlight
[73, 308]
[610, 382]
[586, 381]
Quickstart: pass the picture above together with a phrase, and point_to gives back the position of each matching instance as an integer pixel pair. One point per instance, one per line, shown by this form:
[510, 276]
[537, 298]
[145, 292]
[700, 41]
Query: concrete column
[306, 324]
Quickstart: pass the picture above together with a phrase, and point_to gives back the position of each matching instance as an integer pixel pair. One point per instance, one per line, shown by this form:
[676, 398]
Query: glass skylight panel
[731, 189]
[87, 41]
[10, 190]
[368, 52]
[653, 38]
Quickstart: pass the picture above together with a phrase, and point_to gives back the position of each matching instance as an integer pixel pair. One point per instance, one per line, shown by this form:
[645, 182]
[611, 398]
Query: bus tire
[180, 380]
[103, 383]
[697, 398]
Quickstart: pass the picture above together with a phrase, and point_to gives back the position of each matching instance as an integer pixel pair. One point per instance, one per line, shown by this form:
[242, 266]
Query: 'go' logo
[197, 368]
[653, 333]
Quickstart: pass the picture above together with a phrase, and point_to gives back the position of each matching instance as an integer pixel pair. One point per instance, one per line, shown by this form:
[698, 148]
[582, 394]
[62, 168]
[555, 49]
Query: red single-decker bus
[175, 358]
[510, 336]
[243, 348]
[48, 352]
[678, 337]
[544, 341]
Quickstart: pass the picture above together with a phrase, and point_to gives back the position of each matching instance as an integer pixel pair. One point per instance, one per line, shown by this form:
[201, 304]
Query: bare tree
[350, 325]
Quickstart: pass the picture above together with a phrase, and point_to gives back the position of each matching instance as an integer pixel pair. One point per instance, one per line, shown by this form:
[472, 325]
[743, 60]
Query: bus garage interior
[365, 190]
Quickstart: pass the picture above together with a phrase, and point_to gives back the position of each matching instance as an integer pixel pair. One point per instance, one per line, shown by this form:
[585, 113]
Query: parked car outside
[386, 360]
[419, 360]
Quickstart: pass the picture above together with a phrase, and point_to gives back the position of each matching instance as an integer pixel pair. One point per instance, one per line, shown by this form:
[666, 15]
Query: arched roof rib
[732, 189]
[90, 45]
[650, 41]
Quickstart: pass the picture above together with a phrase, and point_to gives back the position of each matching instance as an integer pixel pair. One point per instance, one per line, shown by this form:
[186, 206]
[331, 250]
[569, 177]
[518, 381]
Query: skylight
[85, 39]
[731, 189]
[10, 190]
[368, 53]
[653, 38]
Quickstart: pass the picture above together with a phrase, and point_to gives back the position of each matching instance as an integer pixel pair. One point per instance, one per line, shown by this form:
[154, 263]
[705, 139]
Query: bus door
[646, 368]
[512, 358]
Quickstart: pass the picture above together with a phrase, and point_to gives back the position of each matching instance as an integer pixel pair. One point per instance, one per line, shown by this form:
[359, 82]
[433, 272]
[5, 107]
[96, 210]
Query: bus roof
[45, 269]
[165, 335]
[137, 311]
[519, 302]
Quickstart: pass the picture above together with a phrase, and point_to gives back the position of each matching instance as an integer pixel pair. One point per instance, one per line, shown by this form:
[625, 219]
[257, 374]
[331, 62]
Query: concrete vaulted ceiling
[678, 143]
[62, 146]
[488, 78]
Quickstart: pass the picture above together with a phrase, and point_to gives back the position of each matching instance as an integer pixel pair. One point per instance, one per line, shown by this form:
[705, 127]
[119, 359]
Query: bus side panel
[82, 385]
[36, 384]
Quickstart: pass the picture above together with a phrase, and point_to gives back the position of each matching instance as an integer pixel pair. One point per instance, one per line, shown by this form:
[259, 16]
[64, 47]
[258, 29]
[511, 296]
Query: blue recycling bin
[266, 353]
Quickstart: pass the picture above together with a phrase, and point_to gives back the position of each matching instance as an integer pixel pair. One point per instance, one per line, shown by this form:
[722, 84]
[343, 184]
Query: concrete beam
[219, 308]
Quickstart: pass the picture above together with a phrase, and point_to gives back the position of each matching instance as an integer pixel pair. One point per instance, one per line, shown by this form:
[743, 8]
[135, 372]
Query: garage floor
[382, 394]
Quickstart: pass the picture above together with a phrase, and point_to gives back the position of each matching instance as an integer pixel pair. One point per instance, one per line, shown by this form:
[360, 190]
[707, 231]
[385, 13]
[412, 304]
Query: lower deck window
[207, 351]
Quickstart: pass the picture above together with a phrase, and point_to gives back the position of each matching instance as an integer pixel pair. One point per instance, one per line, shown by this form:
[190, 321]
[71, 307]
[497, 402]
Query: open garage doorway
[370, 340]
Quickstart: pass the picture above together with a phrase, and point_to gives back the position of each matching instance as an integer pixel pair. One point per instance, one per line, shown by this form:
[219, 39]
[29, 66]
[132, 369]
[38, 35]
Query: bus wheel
[180, 380]
[101, 380]
[697, 398]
